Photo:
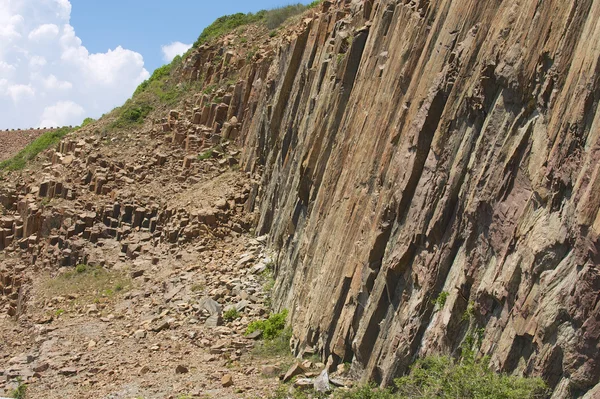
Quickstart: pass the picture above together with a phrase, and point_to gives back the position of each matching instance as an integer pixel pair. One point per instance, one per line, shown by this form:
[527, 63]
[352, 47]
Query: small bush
[272, 328]
[440, 301]
[158, 75]
[270, 348]
[442, 377]
[40, 144]
[20, 391]
[81, 268]
[231, 315]
[132, 113]
[87, 121]
[226, 24]
[206, 155]
[365, 392]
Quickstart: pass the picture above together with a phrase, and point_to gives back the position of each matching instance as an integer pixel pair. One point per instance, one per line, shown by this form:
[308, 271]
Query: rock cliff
[426, 171]
[414, 148]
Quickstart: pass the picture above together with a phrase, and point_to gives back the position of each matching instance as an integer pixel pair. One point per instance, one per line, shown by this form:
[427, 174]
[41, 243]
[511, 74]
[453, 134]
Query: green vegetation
[132, 113]
[272, 19]
[271, 348]
[231, 315]
[87, 284]
[272, 328]
[81, 268]
[20, 391]
[469, 312]
[40, 144]
[440, 301]
[206, 155]
[226, 24]
[87, 121]
[443, 377]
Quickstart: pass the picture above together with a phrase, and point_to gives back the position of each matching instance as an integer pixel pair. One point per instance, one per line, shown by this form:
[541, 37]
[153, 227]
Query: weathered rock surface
[411, 148]
[393, 151]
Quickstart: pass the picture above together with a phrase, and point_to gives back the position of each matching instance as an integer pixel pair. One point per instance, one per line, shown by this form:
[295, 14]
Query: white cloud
[19, 92]
[47, 75]
[37, 61]
[174, 49]
[61, 113]
[44, 32]
[52, 83]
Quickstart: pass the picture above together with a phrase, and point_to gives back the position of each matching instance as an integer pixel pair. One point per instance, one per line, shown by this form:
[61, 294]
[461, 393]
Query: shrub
[271, 348]
[40, 144]
[226, 24]
[272, 328]
[20, 391]
[132, 113]
[158, 75]
[444, 378]
[87, 121]
[206, 155]
[440, 301]
[365, 392]
[231, 315]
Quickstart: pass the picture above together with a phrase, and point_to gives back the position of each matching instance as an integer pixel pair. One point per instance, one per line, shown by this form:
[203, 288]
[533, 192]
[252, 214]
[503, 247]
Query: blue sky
[144, 26]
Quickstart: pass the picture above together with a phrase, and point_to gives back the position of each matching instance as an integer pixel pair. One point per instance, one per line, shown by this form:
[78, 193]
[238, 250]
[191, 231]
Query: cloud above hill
[174, 49]
[48, 77]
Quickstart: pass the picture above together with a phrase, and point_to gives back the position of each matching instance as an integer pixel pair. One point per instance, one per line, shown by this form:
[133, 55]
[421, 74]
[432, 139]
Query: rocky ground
[122, 256]
[161, 336]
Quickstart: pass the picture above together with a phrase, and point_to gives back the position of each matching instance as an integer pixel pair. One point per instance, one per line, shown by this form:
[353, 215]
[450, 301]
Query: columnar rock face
[441, 146]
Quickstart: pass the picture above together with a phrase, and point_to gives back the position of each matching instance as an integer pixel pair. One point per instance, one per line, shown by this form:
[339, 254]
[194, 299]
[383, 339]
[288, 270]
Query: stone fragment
[227, 381]
[181, 369]
[295, 370]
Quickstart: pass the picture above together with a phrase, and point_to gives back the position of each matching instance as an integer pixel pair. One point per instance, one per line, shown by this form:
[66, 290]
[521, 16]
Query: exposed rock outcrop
[408, 151]
[414, 148]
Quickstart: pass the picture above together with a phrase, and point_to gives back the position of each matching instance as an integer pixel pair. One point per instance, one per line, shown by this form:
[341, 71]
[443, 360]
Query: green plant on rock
[469, 312]
[231, 315]
[87, 121]
[226, 24]
[206, 155]
[440, 301]
[20, 391]
[81, 268]
[444, 378]
[272, 327]
[132, 113]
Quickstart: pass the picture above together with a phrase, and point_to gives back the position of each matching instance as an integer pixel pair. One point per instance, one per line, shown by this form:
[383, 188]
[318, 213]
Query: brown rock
[227, 380]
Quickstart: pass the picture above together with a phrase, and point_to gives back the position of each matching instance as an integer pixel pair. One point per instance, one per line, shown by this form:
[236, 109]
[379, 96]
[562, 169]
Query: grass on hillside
[160, 88]
[88, 284]
[40, 144]
[271, 18]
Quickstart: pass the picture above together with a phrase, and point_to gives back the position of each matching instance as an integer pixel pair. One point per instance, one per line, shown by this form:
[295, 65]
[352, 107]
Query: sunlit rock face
[414, 148]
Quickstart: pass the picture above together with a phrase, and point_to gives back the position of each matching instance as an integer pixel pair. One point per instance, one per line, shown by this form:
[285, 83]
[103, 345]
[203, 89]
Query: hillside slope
[426, 173]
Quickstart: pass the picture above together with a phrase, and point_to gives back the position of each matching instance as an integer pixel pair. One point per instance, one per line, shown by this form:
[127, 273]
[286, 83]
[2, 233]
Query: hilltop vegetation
[162, 88]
